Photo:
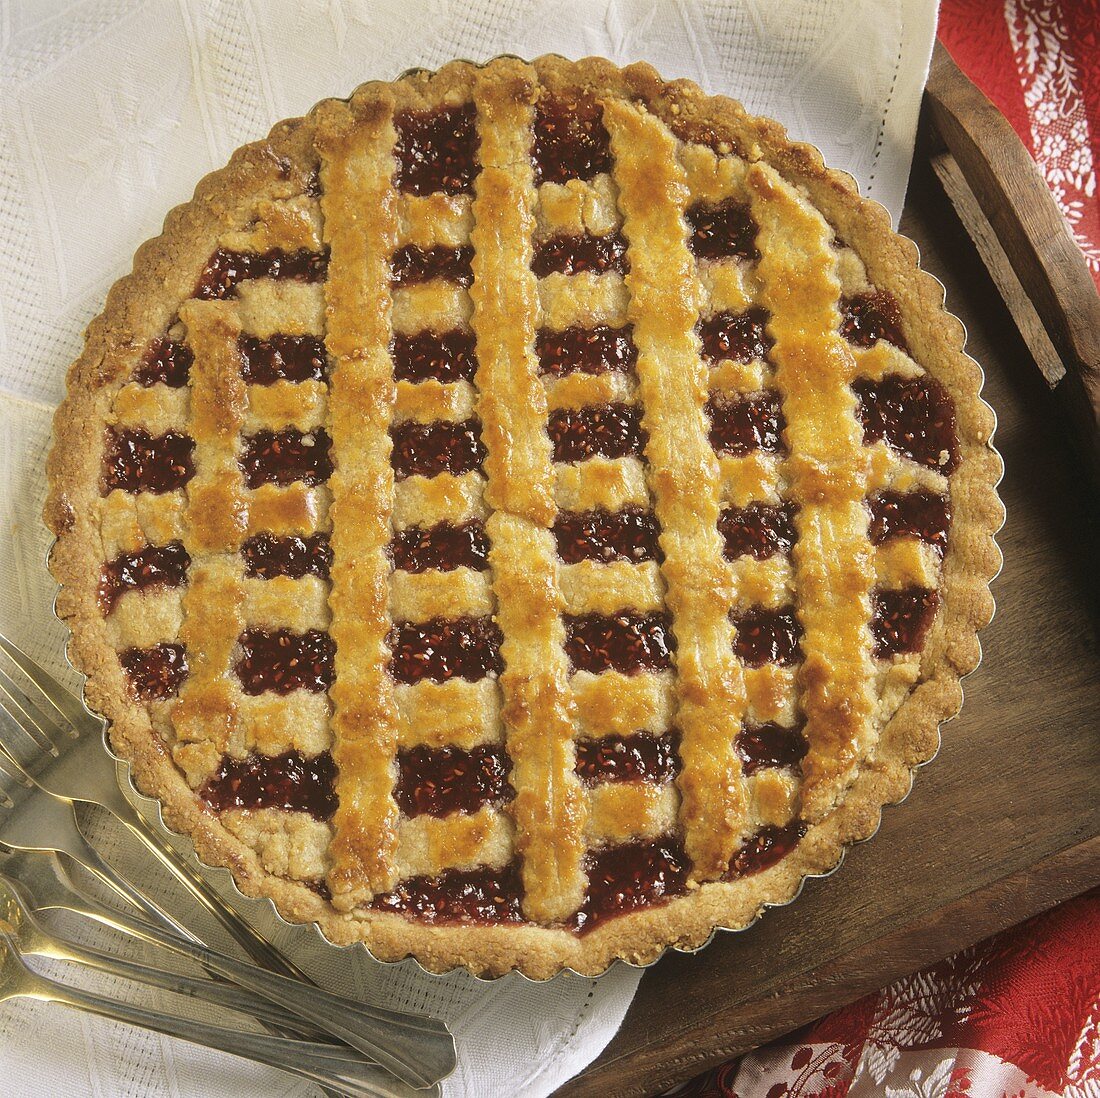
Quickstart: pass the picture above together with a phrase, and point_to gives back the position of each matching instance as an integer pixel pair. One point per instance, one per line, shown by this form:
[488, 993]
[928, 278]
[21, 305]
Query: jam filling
[867, 318]
[759, 530]
[481, 895]
[570, 141]
[900, 620]
[225, 269]
[291, 781]
[427, 449]
[439, 781]
[608, 430]
[570, 255]
[737, 337]
[767, 636]
[412, 265]
[920, 514]
[151, 566]
[445, 648]
[739, 425]
[628, 535]
[637, 758]
[770, 845]
[442, 547]
[723, 230]
[280, 661]
[768, 745]
[625, 642]
[166, 363]
[267, 556]
[914, 416]
[282, 358]
[447, 356]
[154, 673]
[136, 461]
[588, 350]
[625, 878]
[436, 150]
[285, 457]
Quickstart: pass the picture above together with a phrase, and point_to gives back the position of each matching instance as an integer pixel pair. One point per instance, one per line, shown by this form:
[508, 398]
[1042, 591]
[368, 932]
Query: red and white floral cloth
[1039, 61]
[1017, 1016]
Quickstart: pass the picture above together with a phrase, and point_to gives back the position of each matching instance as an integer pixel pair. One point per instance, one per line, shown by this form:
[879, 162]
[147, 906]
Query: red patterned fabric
[1017, 1016]
[1039, 61]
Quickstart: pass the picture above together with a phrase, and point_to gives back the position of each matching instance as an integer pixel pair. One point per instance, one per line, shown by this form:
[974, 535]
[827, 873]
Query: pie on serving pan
[525, 516]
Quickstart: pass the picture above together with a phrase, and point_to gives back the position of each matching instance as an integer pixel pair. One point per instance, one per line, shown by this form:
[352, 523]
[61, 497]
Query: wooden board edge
[629, 1068]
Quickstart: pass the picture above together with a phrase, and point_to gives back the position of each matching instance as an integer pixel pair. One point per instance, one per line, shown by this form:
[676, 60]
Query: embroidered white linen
[110, 112]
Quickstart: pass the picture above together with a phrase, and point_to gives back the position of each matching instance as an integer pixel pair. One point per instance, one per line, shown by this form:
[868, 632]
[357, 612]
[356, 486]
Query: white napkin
[110, 111]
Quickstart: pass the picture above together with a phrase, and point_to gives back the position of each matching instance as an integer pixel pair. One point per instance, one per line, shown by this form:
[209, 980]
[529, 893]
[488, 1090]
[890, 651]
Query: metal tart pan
[262, 912]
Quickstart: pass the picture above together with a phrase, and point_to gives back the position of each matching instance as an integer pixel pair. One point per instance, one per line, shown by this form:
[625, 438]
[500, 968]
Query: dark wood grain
[1000, 826]
[1033, 234]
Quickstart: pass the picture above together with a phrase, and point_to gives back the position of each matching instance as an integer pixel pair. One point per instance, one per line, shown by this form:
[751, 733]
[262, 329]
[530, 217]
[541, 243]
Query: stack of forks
[52, 760]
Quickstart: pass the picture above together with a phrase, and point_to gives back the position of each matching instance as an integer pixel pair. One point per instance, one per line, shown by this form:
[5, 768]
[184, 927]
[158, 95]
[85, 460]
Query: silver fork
[59, 742]
[328, 1065]
[72, 767]
[25, 928]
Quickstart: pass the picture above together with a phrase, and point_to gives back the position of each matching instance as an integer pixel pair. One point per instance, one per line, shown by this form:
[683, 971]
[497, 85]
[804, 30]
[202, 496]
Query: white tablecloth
[110, 111]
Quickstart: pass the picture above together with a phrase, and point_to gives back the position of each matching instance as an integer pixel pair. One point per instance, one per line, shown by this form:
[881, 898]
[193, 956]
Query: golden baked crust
[868, 721]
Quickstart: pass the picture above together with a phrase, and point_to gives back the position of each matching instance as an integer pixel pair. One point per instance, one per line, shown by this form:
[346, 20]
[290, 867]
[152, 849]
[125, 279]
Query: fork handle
[245, 935]
[324, 1064]
[418, 1050]
[219, 993]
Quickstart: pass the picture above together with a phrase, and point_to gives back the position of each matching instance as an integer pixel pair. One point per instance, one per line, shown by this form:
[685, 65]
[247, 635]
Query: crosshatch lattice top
[522, 508]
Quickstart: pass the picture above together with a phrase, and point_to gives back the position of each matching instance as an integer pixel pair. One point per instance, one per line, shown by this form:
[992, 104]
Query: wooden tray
[1005, 822]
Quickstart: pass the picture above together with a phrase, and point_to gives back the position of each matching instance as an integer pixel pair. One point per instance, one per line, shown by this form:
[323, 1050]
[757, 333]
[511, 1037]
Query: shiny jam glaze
[440, 356]
[427, 449]
[900, 620]
[767, 636]
[280, 661]
[721, 231]
[150, 566]
[626, 642]
[739, 425]
[413, 265]
[759, 530]
[867, 318]
[915, 416]
[737, 337]
[282, 358]
[286, 457]
[436, 150]
[572, 255]
[625, 878]
[609, 430]
[482, 895]
[438, 781]
[630, 535]
[225, 269]
[445, 648]
[166, 362]
[920, 514]
[570, 141]
[442, 547]
[767, 745]
[637, 758]
[135, 461]
[291, 781]
[156, 673]
[770, 845]
[587, 350]
[267, 556]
